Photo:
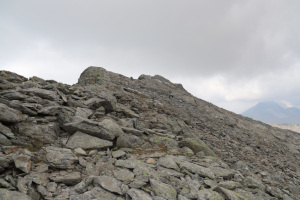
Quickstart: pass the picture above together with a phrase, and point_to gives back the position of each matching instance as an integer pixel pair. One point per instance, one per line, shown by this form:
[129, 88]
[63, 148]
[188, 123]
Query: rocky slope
[110, 137]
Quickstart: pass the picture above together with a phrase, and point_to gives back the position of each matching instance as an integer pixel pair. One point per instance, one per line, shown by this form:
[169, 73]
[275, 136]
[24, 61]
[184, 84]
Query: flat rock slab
[109, 183]
[89, 127]
[94, 194]
[124, 175]
[137, 194]
[12, 195]
[42, 93]
[61, 158]
[202, 171]
[10, 115]
[68, 178]
[85, 141]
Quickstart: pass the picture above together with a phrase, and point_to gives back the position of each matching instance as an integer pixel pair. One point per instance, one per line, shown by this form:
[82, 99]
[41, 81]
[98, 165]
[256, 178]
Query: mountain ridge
[150, 129]
[272, 112]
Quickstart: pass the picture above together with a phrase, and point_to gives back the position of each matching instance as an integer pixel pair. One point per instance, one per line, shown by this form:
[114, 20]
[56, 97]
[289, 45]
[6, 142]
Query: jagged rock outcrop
[117, 138]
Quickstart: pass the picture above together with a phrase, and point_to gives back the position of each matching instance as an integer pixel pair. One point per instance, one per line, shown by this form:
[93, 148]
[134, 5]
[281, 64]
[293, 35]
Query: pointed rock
[85, 141]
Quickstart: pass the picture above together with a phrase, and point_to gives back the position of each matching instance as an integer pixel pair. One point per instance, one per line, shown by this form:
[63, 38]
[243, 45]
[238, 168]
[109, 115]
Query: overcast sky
[233, 53]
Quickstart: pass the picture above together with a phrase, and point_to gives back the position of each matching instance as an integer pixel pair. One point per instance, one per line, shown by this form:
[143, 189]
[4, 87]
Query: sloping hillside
[113, 137]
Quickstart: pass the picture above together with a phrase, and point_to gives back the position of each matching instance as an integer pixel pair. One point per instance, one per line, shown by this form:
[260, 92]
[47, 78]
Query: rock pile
[110, 137]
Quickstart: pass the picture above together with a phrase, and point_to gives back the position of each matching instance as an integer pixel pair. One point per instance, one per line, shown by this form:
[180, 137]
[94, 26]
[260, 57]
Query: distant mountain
[272, 112]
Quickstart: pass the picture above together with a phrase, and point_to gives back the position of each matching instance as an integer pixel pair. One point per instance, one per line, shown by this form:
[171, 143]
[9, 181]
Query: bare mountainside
[118, 138]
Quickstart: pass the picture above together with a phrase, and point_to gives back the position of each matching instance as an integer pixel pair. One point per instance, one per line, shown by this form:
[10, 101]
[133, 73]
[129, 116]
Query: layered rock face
[117, 138]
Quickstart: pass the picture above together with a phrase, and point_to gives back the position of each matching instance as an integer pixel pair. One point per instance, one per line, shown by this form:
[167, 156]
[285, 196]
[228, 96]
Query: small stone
[118, 154]
[80, 151]
[151, 161]
[23, 163]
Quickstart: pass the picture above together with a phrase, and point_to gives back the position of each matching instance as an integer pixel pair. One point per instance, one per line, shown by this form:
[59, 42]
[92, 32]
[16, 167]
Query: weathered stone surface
[38, 134]
[109, 183]
[111, 126]
[163, 190]
[12, 77]
[126, 163]
[51, 110]
[85, 141]
[44, 94]
[124, 175]
[89, 127]
[12, 195]
[221, 172]
[23, 163]
[202, 171]
[118, 154]
[230, 185]
[68, 178]
[6, 131]
[4, 140]
[10, 115]
[209, 194]
[97, 193]
[251, 182]
[137, 194]
[94, 75]
[197, 145]
[168, 162]
[60, 157]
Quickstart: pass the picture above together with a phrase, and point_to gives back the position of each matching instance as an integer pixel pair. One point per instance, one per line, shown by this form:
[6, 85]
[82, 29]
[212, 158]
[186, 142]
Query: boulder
[60, 157]
[163, 190]
[197, 145]
[89, 127]
[10, 115]
[94, 75]
[137, 194]
[12, 195]
[85, 141]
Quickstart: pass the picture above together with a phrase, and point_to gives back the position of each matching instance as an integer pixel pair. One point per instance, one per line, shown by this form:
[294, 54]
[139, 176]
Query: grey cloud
[196, 39]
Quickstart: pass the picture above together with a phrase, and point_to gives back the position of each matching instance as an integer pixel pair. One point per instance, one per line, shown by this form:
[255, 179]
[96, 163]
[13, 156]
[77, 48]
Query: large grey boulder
[12, 195]
[60, 157]
[10, 115]
[89, 127]
[85, 141]
[94, 75]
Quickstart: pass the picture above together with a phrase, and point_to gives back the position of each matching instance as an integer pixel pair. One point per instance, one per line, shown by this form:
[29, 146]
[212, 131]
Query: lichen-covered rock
[197, 145]
[89, 127]
[109, 183]
[60, 157]
[10, 115]
[202, 171]
[137, 194]
[12, 195]
[94, 75]
[163, 190]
